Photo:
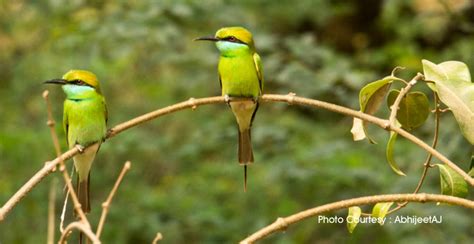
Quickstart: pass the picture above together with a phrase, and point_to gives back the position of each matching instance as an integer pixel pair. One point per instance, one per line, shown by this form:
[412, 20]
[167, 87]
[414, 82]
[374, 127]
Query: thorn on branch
[423, 197]
[282, 223]
[387, 126]
[46, 165]
[292, 98]
[193, 104]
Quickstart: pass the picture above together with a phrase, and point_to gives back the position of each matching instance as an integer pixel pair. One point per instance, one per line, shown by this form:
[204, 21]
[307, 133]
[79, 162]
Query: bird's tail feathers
[83, 194]
[245, 152]
[245, 147]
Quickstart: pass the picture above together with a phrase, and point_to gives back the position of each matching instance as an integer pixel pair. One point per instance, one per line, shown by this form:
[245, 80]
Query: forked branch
[106, 204]
[194, 103]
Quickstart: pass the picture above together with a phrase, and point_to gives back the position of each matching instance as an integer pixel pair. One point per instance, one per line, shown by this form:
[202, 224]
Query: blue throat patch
[229, 49]
[75, 92]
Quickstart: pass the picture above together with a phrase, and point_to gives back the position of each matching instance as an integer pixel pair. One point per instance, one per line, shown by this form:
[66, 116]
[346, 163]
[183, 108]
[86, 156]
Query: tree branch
[106, 204]
[427, 165]
[82, 227]
[49, 166]
[158, 237]
[51, 211]
[396, 105]
[193, 103]
[283, 223]
[291, 99]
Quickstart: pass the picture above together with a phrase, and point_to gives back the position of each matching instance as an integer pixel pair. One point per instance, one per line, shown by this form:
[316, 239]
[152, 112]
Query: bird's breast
[238, 76]
[86, 121]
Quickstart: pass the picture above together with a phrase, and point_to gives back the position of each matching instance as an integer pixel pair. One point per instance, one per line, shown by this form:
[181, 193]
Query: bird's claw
[107, 134]
[80, 148]
[227, 98]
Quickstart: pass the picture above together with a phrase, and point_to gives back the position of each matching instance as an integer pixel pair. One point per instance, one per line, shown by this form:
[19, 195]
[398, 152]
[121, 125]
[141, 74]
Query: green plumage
[240, 75]
[84, 121]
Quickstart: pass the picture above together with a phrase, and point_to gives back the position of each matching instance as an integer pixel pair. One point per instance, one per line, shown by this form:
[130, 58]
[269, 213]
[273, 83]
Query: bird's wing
[220, 81]
[106, 112]
[258, 67]
[66, 122]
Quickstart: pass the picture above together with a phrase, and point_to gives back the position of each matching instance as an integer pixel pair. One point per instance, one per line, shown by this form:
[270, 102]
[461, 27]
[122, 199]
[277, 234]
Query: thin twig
[28, 186]
[158, 237]
[63, 212]
[106, 204]
[427, 165]
[50, 123]
[394, 70]
[371, 119]
[75, 199]
[51, 211]
[82, 227]
[396, 105]
[283, 223]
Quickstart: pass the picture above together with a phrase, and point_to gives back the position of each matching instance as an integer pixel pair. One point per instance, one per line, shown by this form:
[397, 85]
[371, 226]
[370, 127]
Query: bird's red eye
[78, 82]
[232, 39]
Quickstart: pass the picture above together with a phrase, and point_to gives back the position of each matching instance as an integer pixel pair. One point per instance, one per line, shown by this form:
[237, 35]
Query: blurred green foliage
[185, 181]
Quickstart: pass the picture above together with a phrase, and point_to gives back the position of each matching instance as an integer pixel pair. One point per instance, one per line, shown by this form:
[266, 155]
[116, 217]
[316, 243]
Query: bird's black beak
[206, 38]
[56, 81]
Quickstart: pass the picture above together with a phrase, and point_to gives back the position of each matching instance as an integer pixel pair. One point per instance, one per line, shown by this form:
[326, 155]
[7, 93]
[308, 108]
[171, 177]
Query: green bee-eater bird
[84, 121]
[241, 76]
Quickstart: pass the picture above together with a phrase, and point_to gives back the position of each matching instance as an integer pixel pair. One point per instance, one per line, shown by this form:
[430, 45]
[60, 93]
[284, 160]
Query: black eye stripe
[79, 82]
[232, 39]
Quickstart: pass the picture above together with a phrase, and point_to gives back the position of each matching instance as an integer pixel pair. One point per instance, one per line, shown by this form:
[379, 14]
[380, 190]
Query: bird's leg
[109, 132]
[80, 148]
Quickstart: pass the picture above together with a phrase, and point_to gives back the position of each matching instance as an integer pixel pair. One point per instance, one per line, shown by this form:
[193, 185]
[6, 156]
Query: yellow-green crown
[84, 75]
[238, 32]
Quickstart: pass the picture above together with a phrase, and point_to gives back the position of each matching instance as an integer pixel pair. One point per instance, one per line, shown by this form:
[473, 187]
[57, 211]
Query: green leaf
[455, 89]
[414, 108]
[380, 210]
[452, 183]
[370, 98]
[389, 153]
[471, 172]
[353, 218]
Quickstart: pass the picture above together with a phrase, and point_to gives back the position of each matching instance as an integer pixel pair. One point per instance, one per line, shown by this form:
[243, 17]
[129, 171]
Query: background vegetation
[185, 180]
